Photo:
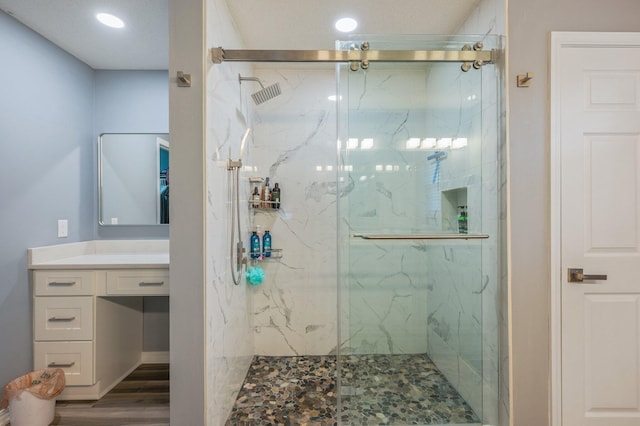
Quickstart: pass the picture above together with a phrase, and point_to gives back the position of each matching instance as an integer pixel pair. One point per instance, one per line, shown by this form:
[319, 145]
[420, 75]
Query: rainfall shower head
[266, 93]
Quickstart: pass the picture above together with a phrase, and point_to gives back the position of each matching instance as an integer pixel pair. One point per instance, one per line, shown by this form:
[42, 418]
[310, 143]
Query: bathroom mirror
[133, 179]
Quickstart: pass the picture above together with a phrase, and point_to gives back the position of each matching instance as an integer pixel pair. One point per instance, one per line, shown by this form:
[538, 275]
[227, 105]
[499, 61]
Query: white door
[596, 89]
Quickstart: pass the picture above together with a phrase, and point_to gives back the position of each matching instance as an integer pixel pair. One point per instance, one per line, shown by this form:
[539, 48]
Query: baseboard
[154, 358]
[4, 417]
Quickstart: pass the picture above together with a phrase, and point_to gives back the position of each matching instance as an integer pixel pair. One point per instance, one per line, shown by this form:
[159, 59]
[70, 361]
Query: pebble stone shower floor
[378, 390]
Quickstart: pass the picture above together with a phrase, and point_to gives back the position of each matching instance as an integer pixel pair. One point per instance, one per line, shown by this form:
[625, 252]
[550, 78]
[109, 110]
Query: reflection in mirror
[133, 179]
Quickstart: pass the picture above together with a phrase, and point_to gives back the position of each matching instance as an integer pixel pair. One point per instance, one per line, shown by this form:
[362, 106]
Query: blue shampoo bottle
[255, 245]
[266, 244]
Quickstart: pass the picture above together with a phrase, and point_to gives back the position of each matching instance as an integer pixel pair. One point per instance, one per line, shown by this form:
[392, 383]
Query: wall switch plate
[63, 228]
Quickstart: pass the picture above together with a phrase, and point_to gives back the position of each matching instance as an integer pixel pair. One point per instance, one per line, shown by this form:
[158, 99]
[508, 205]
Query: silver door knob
[577, 275]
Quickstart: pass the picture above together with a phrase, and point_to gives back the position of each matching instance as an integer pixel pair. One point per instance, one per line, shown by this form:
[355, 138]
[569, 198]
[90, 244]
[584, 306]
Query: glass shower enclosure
[418, 237]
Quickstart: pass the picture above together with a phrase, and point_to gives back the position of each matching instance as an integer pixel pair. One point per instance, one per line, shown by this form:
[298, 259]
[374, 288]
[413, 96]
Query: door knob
[576, 275]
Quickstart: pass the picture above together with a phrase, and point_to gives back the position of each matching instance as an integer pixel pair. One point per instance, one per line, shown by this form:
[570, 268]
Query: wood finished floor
[142, 398]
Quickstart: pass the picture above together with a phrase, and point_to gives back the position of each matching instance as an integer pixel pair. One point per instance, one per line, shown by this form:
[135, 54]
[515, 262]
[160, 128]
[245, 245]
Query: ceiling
[144, 42]
[309, 24]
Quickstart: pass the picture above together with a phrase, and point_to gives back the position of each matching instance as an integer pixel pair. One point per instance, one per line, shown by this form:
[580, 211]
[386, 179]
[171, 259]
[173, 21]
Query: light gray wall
[47, 171]
[131, 102]
[530, 24]
[155, 333]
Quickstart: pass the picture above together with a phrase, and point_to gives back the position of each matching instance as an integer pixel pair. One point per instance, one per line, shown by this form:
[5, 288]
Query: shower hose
[235, 220]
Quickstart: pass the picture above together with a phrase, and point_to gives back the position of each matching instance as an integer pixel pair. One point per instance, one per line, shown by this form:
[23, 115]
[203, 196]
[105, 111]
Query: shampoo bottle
[265, 194]
[255, 198]
[255, 245]
[275, 196]
[266, 244]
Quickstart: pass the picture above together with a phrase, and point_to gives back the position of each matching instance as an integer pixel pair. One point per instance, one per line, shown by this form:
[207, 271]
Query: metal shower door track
[469, 55]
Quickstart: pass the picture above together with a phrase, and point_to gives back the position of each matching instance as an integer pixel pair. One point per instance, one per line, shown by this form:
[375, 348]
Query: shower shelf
[276, 254]
[270, 208]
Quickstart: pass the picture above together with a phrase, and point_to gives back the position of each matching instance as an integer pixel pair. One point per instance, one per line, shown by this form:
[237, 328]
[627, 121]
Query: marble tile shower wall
[391, 190]
[229, 342]
[294, 309]
[387, 300]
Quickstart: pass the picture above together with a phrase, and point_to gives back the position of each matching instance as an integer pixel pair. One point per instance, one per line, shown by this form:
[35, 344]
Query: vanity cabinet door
[142, 282]
[63, 283]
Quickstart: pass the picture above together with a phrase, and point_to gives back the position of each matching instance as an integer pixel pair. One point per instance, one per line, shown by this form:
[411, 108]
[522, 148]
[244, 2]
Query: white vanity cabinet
[88, 316]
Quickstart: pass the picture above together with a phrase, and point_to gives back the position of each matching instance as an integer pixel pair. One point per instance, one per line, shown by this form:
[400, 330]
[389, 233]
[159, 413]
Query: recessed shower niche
[454, 207]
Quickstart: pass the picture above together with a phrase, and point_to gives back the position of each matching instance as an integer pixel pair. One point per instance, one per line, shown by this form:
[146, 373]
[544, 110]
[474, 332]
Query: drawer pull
[152, 283]
[56, 365]
[62, 283]
[62, 319]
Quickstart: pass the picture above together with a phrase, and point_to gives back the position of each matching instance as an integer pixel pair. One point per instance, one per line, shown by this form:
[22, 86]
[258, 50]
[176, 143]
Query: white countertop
[101, 254]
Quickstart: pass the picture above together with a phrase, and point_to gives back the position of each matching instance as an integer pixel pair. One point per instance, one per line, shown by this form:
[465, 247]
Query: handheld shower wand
[234, 168]
[438, 156]
[234, 165]
[243, 143]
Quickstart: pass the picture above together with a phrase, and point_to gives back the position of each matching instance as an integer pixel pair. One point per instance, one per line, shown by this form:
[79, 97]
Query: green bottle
[275, 196]
[462, 220]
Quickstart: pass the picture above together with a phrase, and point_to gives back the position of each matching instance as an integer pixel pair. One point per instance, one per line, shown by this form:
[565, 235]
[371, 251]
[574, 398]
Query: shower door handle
[577, 275]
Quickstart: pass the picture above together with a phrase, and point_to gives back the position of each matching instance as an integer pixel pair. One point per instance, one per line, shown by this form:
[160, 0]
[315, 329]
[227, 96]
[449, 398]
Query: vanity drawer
[63, 318]
[74, 358]
[143, 282]
[63, 283]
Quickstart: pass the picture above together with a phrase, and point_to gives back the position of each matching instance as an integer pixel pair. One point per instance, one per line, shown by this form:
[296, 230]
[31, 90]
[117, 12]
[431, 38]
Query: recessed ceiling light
[346, 25]
[367, 143]
[110, 20]
[458, 143]
[412, 143]
[352, 143]
[443, 143]
[428, 143]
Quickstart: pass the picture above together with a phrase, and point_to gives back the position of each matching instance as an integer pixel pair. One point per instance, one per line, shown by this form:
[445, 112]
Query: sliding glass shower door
[418, 217]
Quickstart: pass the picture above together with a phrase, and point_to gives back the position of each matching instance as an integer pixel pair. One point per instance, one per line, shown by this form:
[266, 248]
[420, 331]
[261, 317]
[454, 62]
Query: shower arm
[256, 79]
[467, 56]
